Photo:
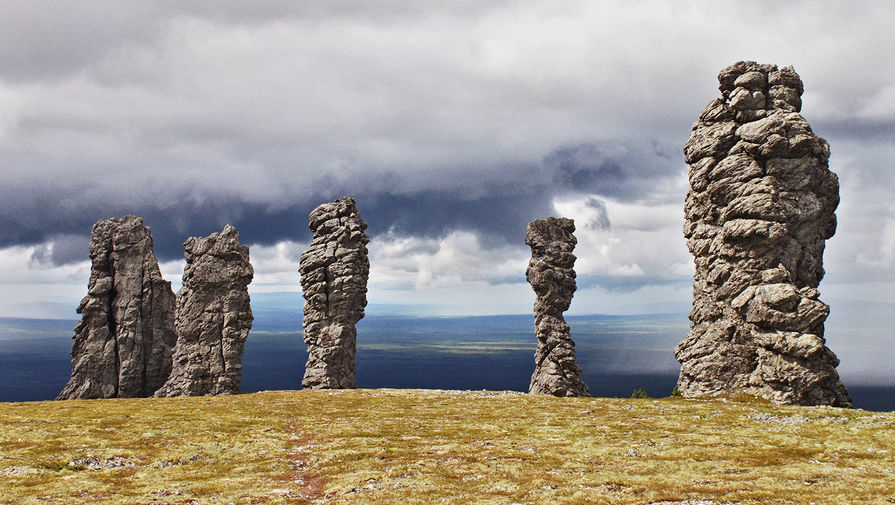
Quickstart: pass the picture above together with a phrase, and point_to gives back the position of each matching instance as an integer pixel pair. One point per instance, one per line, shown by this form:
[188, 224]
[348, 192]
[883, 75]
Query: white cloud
[276, 266]
[18, 266]
[420, 264]
[34, 289]
[643, 243]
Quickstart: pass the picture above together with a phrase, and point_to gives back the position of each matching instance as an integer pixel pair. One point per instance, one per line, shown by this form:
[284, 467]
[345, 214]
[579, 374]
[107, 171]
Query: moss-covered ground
[428, 447]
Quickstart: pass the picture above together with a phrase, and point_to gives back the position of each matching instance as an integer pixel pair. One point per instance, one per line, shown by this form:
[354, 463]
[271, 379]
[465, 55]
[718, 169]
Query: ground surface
[411, 446]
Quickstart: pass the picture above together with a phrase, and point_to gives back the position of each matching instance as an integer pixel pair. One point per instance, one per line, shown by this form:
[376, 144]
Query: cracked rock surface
[551, 274]
[759, 209]
[213, 317]
[122, 344]
[334, 272]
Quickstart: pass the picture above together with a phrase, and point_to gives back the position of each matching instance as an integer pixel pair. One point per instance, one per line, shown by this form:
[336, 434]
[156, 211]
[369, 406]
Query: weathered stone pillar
[334, 272]
[122, 344]
[760, 207]
[551, 274]
[214, 316]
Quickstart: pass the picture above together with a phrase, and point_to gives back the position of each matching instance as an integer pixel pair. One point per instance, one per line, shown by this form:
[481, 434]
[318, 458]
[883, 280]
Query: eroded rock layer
[122, 344]
[213, 317]
[551, 274]
[760, 207]
[334, 272]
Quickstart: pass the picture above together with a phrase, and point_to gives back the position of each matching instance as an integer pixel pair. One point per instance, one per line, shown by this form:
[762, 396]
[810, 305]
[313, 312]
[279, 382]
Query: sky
[453, 124]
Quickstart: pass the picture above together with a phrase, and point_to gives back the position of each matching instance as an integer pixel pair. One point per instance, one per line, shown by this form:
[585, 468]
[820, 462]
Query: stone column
[551, 274]
[122, 344]
[213, 318]
[334, 272]
[760, 207]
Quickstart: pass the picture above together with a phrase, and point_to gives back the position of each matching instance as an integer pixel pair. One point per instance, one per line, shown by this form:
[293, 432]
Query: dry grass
[405, 447]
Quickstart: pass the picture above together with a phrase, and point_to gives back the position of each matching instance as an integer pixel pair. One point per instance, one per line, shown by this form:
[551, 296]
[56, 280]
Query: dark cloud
[499, 218]
[63, 238]
[600, 220]
[62, 249]
[620, 170]
[498, 208]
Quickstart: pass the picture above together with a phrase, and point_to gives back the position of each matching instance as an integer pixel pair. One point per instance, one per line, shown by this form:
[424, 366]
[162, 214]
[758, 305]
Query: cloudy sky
[453, 125]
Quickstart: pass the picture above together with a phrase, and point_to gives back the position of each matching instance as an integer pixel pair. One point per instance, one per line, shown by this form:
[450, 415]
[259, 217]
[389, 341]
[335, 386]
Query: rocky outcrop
[760, 206]
[334, 272]
[122, 344]
[213, 317]
[551, 274]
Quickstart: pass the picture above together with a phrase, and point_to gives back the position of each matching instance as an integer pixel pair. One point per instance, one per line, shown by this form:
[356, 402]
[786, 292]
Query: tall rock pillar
[551, 274]
[760, 207]
[122, 344]
[213, 317]
[334, 272]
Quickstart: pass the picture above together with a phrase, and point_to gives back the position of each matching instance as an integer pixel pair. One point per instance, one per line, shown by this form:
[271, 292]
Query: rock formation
[760, 206]
[334, 272]
[213, 317]
[552, 276]
[122, 344]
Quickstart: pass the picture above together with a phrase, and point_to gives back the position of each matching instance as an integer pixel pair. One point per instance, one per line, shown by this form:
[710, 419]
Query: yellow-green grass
[412, 446]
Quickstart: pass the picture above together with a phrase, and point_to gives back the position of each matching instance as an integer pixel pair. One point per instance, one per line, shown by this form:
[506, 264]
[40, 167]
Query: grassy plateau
[428, 447]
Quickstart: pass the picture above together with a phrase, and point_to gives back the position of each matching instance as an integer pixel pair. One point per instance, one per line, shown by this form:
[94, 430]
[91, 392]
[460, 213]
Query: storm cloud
[499, 209]
[462, 119]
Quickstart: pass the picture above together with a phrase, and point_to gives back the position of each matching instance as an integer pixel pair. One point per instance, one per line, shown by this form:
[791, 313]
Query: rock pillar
[760, 207]
[213, 317]
[122, 344]
[334, 272]
[552, 276]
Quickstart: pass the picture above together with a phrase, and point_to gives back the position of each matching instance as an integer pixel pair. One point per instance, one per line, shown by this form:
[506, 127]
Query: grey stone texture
[213, 317]
[760, 206]
[551, 274]
[123, 342]
[334, 272]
